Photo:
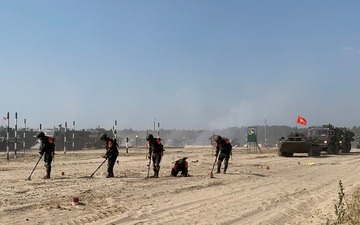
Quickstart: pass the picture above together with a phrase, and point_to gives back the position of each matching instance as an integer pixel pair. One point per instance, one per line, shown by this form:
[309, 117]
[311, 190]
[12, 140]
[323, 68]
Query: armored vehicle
[297, 143]
[346, 138]
[327, 136]
[331, 139]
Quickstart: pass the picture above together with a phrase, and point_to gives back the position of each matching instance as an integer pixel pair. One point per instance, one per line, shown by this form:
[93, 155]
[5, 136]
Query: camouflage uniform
[111, 154]
[156, 151]
[180, 165]
[223, 147]
[47, 147]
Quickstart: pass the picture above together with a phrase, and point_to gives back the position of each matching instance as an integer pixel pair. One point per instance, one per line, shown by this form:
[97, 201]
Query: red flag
[4, 118]
[301, 120]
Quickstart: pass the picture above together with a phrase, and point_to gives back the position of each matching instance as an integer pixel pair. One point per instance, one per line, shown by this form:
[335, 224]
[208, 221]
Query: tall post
[73, 137]
[15, 140]
[24, 135]
[154, 124]
[146, 154]
[158, 131]
[7, 136]
[40, 129]
[127, 145]
[265, 134]
[115, 129]
[65, 133]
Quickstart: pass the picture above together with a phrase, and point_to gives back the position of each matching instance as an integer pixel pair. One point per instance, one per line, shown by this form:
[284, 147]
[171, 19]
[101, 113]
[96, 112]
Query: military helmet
[102, 137]
[149, 137]
[40, 134]
[217, 138]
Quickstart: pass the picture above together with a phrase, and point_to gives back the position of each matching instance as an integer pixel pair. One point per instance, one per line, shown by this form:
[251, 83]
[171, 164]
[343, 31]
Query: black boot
[155, 174]
[48, 171]
[219, 167]
[225, 167]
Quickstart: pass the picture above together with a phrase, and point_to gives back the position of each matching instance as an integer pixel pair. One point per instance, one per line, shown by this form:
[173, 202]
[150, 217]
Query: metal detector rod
[214, 164]
[35, 167]
[98, 168]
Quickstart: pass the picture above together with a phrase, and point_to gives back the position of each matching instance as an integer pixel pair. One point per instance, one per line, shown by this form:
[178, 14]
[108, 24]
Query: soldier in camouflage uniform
[47, 148]
[111, 153]
[223, 147]
[156, 151]
[180, 165]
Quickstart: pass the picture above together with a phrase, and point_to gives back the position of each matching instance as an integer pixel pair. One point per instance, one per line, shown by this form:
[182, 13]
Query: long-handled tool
[98, 168]
[148, 173]
[211, 173]
[35, 167]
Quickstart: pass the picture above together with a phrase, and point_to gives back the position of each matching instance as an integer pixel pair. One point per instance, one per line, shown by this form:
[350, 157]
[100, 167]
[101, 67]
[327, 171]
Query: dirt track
[258, 189]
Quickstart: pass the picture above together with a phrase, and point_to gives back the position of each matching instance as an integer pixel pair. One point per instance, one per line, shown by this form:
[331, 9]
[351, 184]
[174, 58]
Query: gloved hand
[215, 155]
[40, 155]
[104, 156]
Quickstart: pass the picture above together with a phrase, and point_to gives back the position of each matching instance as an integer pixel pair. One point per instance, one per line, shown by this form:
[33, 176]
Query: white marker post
[115, 130]
[73, 137]
[158, 133]
[24, 135]
[7, 136]
[15, 141]
[65, 137]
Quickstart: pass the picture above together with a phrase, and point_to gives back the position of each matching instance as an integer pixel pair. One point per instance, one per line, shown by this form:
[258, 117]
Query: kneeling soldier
[180, 165]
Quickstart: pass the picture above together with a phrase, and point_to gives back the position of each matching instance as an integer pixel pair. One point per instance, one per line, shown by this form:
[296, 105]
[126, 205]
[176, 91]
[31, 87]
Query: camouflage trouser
[156, 164]
[111, 164]
[48, 160]
[223, 157]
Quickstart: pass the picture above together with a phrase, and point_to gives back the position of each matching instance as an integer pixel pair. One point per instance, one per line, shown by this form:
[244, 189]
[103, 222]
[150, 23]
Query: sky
[184, 64]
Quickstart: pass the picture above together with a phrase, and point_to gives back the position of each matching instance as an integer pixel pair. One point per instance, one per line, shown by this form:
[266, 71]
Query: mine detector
[331, 139]
[297, 143]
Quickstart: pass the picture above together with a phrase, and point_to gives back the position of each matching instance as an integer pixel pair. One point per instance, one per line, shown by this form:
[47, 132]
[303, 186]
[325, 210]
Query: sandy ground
[258, 189]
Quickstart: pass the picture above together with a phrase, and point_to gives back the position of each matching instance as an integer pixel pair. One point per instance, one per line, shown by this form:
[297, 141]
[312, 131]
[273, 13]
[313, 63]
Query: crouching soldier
[156, 151]
[180, 165]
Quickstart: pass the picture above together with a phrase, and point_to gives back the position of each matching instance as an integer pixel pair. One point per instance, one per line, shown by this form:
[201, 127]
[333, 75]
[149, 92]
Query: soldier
[180, 165]
[223, 147]
[111, 153]
[47, 147]
[156, 151]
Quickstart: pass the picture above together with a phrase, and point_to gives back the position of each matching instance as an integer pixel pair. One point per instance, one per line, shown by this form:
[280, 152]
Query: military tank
[297, 143]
